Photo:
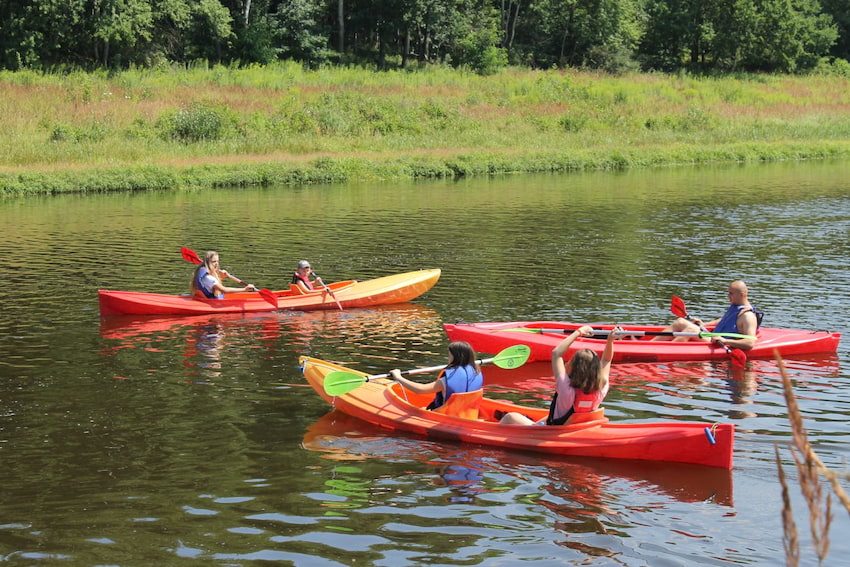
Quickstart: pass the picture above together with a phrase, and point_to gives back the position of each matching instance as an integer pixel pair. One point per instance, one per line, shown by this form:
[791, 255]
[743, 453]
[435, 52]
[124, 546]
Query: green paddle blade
[341, 382]
[512, 357]
[724, 335]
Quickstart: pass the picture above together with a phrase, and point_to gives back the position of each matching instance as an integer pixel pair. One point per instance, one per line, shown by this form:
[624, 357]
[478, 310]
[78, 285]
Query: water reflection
[697, 390]
[203, 341]
[208, 341]
[488, 499]
[581, 482]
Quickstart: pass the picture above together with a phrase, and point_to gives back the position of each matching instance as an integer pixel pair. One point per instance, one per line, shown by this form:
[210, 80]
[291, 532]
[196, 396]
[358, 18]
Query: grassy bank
[161, 129]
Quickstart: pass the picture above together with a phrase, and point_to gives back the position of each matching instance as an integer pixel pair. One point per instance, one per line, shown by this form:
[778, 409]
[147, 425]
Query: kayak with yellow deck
[397, 288]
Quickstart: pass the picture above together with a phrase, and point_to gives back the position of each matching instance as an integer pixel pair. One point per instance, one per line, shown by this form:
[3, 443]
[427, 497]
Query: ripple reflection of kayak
[341, 437]
[389, 318]
[540, 373]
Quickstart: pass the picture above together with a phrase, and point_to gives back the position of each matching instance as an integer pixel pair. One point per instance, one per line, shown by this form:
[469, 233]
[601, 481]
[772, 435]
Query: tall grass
[809, 470]
[392, 123]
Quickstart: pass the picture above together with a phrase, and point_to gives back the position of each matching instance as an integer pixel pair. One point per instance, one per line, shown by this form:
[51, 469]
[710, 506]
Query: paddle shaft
[626, 332]
[327, 289]
[425, 370]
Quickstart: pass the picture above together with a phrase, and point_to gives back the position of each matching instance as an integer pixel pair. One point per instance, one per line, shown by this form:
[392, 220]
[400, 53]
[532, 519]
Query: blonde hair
[205, 263]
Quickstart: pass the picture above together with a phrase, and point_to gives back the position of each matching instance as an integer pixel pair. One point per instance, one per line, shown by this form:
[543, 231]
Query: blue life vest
[208, 293]
[458, 379]
[729, 322]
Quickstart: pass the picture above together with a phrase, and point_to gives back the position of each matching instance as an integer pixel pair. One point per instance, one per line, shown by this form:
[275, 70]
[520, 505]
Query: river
[170, 441]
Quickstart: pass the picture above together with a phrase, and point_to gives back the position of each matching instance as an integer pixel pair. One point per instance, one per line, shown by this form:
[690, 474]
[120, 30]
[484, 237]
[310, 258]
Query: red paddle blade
[677, 307]
[737, 357]
[268, 295]
[189, 255]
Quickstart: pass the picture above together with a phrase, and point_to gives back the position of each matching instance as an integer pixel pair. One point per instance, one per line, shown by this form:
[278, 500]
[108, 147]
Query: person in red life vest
[461, 374]
[580, 385]
[206, 281]
[302, 274]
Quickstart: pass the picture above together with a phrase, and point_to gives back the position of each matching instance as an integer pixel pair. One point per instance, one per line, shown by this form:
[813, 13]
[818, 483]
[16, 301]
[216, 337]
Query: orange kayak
[397, 288]
[385, 403]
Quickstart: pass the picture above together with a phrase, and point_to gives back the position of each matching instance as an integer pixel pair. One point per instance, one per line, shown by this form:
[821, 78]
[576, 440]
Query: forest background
[145, 94]
[614, 35]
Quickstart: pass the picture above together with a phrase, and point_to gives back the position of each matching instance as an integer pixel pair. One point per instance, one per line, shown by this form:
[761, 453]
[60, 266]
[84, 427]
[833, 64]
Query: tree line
[784, 36]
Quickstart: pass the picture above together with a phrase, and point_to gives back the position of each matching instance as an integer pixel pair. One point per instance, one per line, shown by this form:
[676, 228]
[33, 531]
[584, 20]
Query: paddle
[626, 332]
[341, 382]
[190, 256]
[327, 289]
[737, 356]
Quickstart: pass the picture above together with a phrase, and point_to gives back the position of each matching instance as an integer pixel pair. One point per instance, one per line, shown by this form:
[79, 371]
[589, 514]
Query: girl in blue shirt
[461, 374]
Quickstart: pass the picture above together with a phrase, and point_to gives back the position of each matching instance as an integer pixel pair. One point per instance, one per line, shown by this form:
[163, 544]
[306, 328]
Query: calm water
[131, 441]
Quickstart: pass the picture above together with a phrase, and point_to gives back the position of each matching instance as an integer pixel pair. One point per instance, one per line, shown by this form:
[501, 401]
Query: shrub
[197, 123]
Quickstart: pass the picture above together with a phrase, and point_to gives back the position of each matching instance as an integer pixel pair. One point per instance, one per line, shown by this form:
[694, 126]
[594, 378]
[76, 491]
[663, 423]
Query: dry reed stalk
[789, 527]
[809, 467]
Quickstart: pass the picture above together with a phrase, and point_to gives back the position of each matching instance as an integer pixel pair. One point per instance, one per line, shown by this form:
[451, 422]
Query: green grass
[166, 128]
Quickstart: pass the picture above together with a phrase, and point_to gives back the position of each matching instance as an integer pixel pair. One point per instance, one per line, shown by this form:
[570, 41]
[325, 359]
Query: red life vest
[584, 403]
[304, 279]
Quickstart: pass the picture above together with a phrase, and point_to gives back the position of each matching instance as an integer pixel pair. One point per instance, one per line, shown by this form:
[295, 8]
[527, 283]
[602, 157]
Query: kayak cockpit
[474, 406]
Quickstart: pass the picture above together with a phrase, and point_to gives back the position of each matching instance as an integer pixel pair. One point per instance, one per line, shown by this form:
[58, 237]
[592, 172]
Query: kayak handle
[709, 433]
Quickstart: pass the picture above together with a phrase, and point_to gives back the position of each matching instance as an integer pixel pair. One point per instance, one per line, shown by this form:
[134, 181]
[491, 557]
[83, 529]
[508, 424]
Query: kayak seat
[598, 413]
[463, 404]
[296, 290]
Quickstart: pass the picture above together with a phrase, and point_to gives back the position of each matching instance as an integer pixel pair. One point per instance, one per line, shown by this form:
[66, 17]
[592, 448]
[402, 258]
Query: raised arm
[558, 365]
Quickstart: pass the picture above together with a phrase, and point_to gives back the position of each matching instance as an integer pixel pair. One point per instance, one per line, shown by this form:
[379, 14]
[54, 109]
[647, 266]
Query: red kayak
[493, 337]
[397, 288]
[385, 403]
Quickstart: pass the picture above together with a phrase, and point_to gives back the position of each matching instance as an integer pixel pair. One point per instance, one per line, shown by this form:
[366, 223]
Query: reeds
[809, 468]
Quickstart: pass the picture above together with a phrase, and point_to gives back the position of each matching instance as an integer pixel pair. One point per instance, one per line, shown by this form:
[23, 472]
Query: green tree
[474, 40]
[301, 34]
[840, 12]
[118, 27]
[47, 32]
[674, 33]
[773, 35]
[212, 31]
[592, 33]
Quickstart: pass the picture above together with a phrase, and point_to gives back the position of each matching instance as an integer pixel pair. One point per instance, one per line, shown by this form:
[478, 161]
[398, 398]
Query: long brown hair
[462, 355]
[584, 371]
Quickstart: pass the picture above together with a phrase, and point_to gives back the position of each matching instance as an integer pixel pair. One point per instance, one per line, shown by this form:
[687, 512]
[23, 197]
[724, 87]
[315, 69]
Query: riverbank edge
[439, 164]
